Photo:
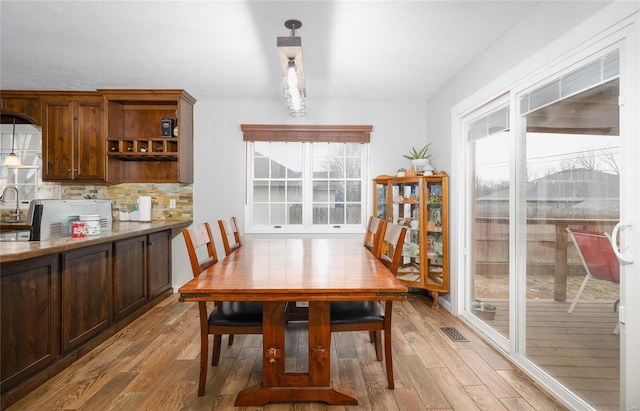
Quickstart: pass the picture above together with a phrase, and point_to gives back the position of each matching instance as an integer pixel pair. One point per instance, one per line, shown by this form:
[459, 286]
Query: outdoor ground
[541, 287]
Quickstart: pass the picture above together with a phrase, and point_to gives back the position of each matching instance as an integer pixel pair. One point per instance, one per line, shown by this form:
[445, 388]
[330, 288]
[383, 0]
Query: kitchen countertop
[21, 250]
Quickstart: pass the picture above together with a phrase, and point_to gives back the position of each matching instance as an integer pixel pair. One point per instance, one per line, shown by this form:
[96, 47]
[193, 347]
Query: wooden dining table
[276, 271]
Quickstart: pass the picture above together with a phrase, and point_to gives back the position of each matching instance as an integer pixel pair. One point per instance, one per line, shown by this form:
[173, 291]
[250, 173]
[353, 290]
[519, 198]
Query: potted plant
[420, 159]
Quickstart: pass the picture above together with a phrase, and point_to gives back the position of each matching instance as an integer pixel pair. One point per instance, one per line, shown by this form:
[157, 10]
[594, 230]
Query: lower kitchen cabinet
[129, 276]
[86, 294]
[56, 307]
[159, 258]
[29, 308]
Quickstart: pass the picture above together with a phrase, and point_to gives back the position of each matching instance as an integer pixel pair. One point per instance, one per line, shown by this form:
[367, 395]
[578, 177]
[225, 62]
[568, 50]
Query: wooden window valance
[306, 133]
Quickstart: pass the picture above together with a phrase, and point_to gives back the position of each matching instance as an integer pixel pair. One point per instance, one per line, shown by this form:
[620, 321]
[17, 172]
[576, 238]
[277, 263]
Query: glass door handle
[623, 257]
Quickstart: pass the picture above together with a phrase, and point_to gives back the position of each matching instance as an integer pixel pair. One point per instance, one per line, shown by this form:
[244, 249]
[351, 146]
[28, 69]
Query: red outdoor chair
[598, 259]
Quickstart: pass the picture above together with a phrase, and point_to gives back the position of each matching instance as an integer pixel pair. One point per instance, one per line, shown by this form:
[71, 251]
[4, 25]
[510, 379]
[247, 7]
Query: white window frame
[307, 226]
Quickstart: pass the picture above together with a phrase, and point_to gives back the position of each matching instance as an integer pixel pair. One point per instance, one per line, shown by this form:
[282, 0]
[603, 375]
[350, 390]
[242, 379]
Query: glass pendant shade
[12, 160]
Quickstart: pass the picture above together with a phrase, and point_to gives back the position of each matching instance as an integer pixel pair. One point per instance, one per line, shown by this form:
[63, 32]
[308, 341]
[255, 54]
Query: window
[306, 179]
[28, 147]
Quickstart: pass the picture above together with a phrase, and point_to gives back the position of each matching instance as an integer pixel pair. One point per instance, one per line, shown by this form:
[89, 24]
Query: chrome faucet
[16, 215]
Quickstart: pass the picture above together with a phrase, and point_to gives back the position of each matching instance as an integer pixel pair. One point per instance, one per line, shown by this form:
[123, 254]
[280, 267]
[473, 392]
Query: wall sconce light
[293, 88]
[12, 160]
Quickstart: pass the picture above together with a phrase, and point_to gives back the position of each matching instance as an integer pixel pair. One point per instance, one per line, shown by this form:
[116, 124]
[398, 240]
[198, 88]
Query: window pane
[354, 149]
[337, 213]
[294, 167]
[278, 214]
[277, 191]
[353, 191]
[336, 191]
[261, 167]
[320, 190]
[260, 191]
[320, 214]
[336, 167]
[320, 150]
[320, 169]
[278, 170]
[261, 214]
[354, 213]
[261, 149]
[295, 214]
[353, 169]
[294, 191]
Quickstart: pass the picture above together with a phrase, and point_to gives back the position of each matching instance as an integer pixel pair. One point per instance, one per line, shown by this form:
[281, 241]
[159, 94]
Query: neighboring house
[570, 193]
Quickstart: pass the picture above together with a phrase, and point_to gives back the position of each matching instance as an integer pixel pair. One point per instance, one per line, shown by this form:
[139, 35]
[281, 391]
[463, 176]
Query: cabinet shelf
[144, 156]
[143, 149]
[137, 148]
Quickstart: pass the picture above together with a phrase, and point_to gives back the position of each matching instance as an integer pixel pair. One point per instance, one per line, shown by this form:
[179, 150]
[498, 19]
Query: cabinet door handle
[150, 242]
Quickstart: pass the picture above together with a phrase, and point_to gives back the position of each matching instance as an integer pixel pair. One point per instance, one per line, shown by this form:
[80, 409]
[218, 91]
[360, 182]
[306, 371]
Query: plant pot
[423, 165]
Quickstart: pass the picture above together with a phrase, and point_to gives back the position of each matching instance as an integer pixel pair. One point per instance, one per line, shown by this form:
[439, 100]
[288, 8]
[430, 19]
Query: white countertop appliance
[53, 218]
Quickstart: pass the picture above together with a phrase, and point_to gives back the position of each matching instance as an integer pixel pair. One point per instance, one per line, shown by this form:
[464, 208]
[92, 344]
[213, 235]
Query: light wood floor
[153, 365]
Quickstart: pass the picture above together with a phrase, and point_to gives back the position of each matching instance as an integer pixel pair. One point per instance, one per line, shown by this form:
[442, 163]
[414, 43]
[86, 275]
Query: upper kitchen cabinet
[149, 136]
[73, 137]
[22, 104]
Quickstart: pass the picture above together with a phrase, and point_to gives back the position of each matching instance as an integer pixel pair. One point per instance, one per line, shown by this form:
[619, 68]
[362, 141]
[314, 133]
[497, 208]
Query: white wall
[219, 152]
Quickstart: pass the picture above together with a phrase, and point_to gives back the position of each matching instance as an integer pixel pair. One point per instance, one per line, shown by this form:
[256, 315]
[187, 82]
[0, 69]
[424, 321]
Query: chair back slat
[596, 254]
[373, 236]
[390, 250]
[229, 229]
[197, 238]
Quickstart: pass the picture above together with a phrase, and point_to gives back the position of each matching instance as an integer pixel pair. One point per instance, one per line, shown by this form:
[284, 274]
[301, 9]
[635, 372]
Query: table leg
[278, 386]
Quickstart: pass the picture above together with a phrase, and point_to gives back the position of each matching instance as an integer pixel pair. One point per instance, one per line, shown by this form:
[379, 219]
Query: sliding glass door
[538, 162]
[488, 144]
[570, 134]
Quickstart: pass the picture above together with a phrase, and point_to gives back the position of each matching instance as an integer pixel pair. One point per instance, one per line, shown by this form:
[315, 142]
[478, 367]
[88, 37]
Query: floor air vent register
[453, 334]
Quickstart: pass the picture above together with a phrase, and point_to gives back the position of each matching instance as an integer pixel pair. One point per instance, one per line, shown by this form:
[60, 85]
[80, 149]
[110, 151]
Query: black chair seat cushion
[236, 314]
[352, 312]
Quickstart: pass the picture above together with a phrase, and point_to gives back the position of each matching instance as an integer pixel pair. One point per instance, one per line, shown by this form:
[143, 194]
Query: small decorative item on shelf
[401, 172]
[410, 173]
[143, 148]
[168, 124]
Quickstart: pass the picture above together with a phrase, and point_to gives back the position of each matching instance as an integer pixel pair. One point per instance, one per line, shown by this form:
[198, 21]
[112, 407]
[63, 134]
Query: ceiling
[221, 50]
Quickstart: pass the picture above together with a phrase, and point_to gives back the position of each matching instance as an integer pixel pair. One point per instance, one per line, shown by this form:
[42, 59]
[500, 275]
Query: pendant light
[12, 160]
[290, 52]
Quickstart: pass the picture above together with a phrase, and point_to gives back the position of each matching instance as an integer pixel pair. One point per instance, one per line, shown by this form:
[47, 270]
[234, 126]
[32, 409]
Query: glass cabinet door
[406, 212]
[381, 199]
[434, 230]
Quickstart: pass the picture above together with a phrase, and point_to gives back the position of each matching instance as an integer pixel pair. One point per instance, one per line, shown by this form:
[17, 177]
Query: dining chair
[229, 230]
[371, 315]
[227, 317]
[372, 236]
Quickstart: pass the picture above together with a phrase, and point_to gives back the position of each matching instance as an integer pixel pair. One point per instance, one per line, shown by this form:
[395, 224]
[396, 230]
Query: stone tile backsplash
[125, 195]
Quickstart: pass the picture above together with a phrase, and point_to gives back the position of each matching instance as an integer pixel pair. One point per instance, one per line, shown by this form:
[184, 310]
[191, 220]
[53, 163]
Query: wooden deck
[578, 349]
[153, 365]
